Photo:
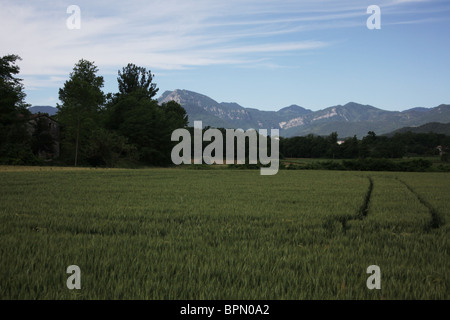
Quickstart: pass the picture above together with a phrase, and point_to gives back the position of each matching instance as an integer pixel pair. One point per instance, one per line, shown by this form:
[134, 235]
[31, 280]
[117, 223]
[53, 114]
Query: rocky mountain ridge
[347, 120]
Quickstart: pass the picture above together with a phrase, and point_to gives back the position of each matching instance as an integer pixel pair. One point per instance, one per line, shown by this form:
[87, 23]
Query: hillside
[436, 127]
[347, 120]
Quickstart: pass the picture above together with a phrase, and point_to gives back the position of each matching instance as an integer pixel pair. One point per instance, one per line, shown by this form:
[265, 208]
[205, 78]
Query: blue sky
[264, 54]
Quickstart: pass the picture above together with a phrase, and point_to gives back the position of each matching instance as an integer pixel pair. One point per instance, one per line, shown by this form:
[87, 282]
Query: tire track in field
[436, 219]
[361, 214]
[364, 209]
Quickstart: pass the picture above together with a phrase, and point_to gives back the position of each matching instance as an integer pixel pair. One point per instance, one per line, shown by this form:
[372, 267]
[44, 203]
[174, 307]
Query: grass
[222, 234]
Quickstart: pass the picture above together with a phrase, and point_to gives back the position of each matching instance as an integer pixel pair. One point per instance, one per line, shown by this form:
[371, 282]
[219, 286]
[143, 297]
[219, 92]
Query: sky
[265, 54]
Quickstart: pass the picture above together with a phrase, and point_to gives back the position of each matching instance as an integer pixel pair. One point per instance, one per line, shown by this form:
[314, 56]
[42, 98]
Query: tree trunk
[76, 140]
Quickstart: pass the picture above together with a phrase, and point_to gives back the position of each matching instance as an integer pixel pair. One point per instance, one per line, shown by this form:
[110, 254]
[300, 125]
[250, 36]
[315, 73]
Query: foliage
[365, 164]
[370, 146]
[136, 80]
[133, 114]
[81, 99]
[106, 148]
[103, 130]
[386, 165]
[15, 142]
[42, 140]
[445, 157]
[12, 96]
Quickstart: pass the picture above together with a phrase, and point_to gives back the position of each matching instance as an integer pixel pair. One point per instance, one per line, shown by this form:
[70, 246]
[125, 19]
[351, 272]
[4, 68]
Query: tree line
[15, 141]
[371, 146]
[125, 128]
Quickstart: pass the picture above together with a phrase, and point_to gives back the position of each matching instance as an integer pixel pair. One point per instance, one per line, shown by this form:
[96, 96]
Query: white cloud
[165, 34]
[169, 34]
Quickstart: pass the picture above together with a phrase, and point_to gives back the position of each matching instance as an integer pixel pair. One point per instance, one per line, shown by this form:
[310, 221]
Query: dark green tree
[333, 147]
[81, 99]
[133, 81]
[42, 140]
[134, 114]
[176, 116]
[144, 126]
[14, 136]
[137, 80]
[350, 148]
[108, 148]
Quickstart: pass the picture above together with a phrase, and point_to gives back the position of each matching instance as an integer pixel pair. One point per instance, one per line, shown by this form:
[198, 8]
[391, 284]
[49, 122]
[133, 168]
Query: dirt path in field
[360, 215]
[364, 210]
[436, 219]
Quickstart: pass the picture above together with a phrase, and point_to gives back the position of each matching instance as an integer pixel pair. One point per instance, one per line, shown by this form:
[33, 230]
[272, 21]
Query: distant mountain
[230, 115]
[43, 109]
[347, 120]
[435, 127]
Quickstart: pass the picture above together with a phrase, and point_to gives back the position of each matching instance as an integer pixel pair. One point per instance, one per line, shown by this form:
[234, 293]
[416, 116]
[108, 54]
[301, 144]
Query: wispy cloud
[169, 34]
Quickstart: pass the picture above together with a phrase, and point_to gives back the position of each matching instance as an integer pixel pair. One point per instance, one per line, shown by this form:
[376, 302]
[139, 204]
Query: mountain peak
[183, 96]
[294, 111]
[294, 107]
[356, 105]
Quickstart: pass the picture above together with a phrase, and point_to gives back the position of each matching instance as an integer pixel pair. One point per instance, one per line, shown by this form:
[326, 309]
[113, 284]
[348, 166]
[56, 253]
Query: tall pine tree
[14, 138]
[81, 99]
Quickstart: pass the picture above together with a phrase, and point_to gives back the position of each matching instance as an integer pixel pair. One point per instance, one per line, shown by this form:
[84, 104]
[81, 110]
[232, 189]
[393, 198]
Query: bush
[416, 165]
[387, 165]
[259, 165]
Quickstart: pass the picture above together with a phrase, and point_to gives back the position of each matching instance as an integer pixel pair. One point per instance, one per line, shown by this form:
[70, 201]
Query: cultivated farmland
[223, 234]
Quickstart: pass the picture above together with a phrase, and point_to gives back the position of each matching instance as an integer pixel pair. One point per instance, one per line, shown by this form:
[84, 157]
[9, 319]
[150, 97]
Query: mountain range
[347, 120]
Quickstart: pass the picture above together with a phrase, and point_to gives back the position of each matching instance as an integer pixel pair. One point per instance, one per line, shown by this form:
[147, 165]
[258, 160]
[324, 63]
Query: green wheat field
[223, 234]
